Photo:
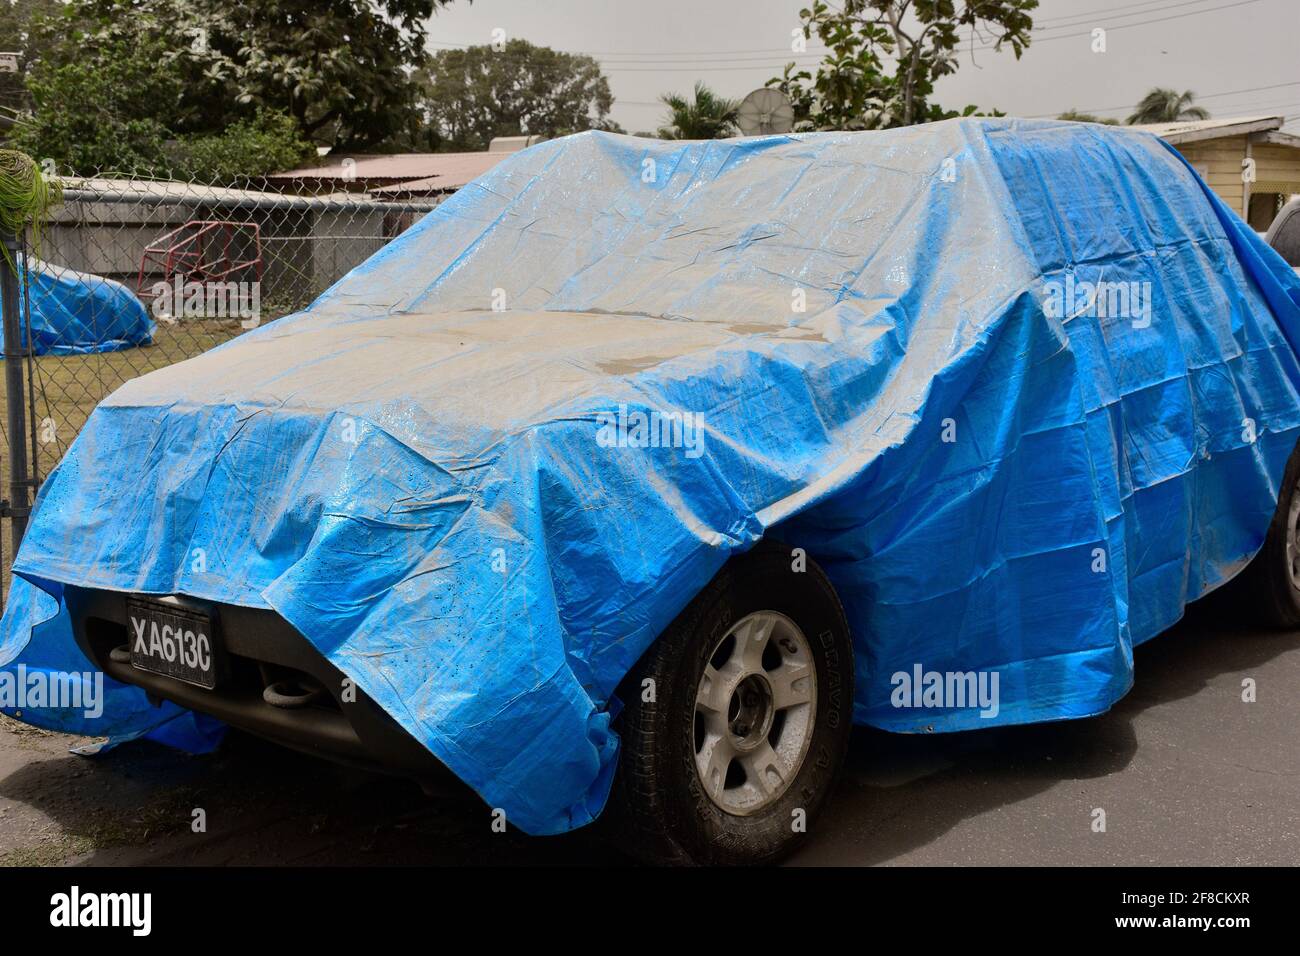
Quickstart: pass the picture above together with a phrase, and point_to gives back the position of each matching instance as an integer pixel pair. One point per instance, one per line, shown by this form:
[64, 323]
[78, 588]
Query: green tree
[101, 111]
[1074, 116]
[267, 143]
[854, 87]
[17, 36]
[340, 68]
[1167, 106]
[470, 96]
[110, 110]
[705, 116]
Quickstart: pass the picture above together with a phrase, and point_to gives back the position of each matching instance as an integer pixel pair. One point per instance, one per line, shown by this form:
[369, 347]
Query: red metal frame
[200, 250]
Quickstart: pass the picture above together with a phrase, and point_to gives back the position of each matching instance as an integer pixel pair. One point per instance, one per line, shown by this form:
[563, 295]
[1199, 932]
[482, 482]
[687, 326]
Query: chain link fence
[132, 275]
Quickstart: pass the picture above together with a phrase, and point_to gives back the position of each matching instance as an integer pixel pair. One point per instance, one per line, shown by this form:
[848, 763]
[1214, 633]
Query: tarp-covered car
[75, 313]
[652, 465]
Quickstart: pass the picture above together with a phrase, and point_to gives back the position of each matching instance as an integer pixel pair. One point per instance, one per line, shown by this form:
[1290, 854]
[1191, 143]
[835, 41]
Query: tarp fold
[1024, 389]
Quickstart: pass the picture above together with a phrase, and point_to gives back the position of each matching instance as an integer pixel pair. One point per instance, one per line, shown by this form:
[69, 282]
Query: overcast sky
[1239, 56]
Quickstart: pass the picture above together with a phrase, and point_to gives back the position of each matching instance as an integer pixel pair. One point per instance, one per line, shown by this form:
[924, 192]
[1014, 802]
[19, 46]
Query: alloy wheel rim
[755, 709]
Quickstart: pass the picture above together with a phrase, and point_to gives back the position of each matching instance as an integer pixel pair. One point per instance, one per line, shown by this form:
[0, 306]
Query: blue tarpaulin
[73, 313]
[1023, 388]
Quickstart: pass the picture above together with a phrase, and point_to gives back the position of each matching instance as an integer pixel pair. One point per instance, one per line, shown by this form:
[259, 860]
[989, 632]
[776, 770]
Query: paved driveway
[1185, 771]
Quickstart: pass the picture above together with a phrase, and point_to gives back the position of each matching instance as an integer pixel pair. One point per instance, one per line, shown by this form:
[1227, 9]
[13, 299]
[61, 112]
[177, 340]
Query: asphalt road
[1185, 771]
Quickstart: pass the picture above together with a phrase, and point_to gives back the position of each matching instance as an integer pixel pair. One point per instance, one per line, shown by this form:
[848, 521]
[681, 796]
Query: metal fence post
[116, 240]
[18, 506]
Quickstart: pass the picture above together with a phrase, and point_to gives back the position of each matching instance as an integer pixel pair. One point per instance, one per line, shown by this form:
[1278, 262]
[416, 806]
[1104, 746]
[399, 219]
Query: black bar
[17, 420]
[324, 908]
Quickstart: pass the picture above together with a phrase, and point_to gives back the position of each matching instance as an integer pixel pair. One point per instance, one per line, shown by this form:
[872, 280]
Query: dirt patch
[260, 805]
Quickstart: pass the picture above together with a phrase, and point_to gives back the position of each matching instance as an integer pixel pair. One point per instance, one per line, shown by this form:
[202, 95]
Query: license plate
[173, 641]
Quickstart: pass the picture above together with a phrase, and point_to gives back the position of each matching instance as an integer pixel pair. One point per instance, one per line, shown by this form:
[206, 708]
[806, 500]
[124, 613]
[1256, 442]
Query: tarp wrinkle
[900, 358]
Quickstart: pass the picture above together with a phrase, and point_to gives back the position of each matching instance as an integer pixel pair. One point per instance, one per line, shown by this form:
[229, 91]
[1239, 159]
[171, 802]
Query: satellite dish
[765, 111]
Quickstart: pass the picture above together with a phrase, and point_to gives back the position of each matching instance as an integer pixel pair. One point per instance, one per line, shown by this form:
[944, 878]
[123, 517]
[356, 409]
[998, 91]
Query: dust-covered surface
[444, 473]
[1186, 771]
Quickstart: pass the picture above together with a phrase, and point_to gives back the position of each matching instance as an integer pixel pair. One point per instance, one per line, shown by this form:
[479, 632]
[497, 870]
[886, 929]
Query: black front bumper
[340, 723]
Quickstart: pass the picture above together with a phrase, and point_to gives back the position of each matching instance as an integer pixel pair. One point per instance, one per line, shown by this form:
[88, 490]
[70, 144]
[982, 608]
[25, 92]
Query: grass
[99, 829]
[68, 387]
[94, 826]
[55, 851]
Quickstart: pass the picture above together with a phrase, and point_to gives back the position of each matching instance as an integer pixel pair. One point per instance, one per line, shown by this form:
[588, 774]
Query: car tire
[736, 722]
[1271, 582]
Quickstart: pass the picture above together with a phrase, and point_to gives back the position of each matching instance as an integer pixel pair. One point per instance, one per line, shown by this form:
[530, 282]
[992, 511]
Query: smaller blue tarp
[92, 704]
[75, 313]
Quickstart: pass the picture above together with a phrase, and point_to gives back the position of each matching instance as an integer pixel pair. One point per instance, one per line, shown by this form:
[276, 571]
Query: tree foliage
[338, 67]
[1074, 116]
[114, 109]
[101, 111]
[884, 56]
[704, 116]
[469, 96]
[267, 143]
[186, 70]
[17, 36]
[1168, 106]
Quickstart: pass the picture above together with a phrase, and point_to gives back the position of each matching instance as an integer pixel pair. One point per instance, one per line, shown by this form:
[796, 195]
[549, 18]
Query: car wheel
[736, 722]
[1271, 583]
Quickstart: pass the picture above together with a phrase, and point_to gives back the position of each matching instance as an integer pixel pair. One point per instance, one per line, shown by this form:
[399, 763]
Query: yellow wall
[1219, 161]
[1277, 164]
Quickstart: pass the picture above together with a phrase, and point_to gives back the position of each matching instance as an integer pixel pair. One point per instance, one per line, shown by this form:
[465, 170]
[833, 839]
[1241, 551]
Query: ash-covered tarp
[75, 313]
[1023, 388]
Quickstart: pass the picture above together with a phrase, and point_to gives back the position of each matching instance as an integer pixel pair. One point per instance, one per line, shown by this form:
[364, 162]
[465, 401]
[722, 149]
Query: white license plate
[173, 641]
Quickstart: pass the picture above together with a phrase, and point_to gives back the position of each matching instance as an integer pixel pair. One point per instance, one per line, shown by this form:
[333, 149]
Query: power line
[1271, 109]
[1125, 26]
[1129, 8]
[1207, 96]
[662, 59]
[616, 68]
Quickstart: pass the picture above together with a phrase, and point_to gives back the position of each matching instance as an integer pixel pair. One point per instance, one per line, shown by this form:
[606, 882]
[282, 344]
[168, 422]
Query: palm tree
[709, 117]
[1167, 106]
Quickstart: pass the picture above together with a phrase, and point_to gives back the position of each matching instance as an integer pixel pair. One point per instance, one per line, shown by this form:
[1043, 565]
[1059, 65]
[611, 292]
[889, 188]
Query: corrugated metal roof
[437, 171]
[431, 184]
[1211, 128]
